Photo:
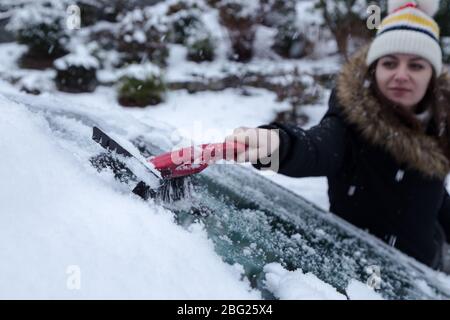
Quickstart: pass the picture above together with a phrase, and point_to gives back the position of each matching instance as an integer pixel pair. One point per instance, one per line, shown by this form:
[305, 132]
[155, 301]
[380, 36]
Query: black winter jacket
[383, 177]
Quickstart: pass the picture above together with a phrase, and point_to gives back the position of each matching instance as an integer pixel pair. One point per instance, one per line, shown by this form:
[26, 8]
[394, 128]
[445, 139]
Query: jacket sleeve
[318, 151]
[444, 216]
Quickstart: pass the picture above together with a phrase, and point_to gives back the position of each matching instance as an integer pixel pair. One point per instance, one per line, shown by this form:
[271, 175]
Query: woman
[384, 142]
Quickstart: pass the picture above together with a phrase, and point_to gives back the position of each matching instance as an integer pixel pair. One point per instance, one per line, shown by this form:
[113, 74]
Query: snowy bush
[141, 85]
[213, 3]
[277, 12]
[201, 50]
[291, 42]
[27, 14]
[104, 35]
[183, 26]
[296, 23]
[187, 28]
[185, 5]
[37, 82]
[93, 11]
[240, 18]
[41, 26]
[76, 72]
[142, 36]
[43, 40]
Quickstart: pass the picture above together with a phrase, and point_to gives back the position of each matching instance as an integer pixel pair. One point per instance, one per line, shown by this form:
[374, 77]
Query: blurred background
[202, 67]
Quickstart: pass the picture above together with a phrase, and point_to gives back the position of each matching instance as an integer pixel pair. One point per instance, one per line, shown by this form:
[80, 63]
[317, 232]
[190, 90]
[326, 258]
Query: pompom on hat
[409, 29]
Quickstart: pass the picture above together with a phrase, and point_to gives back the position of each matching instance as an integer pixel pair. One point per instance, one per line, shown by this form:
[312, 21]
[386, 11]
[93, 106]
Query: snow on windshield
[59, 221]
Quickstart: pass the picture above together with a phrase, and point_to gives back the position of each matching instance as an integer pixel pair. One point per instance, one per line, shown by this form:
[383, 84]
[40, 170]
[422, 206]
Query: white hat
[410, 29]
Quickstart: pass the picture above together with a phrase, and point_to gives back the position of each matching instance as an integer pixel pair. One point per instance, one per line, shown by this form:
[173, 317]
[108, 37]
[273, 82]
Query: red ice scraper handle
[191, 160]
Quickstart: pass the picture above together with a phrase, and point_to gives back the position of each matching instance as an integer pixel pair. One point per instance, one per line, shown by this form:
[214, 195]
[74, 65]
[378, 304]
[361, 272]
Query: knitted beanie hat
[409, 29]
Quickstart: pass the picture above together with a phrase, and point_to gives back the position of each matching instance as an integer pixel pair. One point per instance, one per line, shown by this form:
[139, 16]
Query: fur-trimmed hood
[360, 107]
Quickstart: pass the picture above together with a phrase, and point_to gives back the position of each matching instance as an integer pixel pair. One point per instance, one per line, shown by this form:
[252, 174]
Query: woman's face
[403, 79]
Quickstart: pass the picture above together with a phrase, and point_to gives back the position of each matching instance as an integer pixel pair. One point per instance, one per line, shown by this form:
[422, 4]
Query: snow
[399, 176]
[218, 32]
[201, 117]
[9, 54]
[210, 117]
[351, 191]
[357, 290]
[306, 14]
[296, 285]
[37, 12]
[139, 36]
[80, 58]
[249, 8]
[137, 71]
[60, 218]
[184, 70]
[42, 81]
[264, 38]
[153, 16]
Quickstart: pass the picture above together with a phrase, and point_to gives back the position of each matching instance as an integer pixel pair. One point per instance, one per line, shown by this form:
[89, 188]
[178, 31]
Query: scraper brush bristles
[175, 189]
[170, 190]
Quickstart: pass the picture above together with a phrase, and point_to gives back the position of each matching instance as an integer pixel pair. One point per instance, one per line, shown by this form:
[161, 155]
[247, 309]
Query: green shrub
[183, 26]
[44, 40]
[290, 42]
[201, 50]
[141, 93]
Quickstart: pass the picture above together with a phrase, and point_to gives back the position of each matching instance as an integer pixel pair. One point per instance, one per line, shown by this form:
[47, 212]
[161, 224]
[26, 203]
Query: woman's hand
[261, 143]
